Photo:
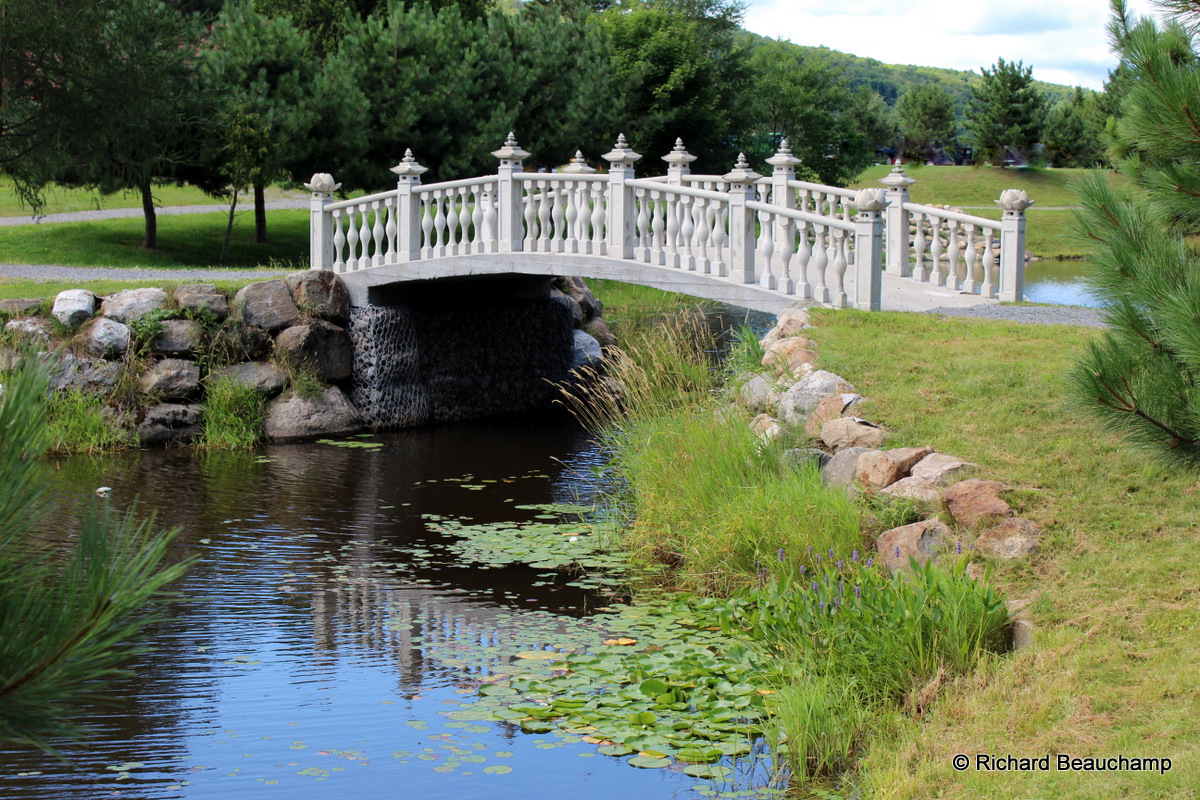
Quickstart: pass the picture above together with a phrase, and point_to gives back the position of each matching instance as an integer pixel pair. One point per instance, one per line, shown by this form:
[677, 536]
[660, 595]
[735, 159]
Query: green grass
[76, 422]
[979, 186]
[233, 416]
[192, 240]
[23, 288]
[1114, 587]
[60, 200]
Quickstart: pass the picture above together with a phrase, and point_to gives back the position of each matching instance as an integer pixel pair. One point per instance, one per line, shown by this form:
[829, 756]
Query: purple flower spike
[821, 605]
[831, 553]
[781, 554]
[818, 558]
[814, 586]
[958, 547]
[858, 590]
[810, 549]
[801, 569]
[854, 556]
[897, 551]
[841, 564]
[870, 562]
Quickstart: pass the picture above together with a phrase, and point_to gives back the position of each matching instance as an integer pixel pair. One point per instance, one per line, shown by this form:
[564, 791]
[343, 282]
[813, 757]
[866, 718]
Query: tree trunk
[260, 214]
[229, 226]
[150, 239]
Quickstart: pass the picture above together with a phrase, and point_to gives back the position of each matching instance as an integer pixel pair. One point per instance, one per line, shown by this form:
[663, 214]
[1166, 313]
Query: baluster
[339, 241]
[989, 265]
[491, 219]
[658, 210]
[787, 284]
[377, 234]
[364, 237]
[572, 242]
[464, 220]
[599, 215]
[672, 244]
[545, 201]
[352, 238]
[686, 229]
[955, 279]
[391, 230]
[840, 243]
[803, 255]
[642, 246]
[919, 272]
[939, 269]
[766, 274]
[820, 260]
[534, 196]
[971, 284]
[558, 236]
[439, 222]
[701, 212]
[721, 239]
[707, 221]
[427, 225]
[452, 222]
[582, 227]
[477, 239]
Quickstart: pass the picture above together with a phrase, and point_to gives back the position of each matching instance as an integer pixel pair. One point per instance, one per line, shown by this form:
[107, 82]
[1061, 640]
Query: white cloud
[1065, 41]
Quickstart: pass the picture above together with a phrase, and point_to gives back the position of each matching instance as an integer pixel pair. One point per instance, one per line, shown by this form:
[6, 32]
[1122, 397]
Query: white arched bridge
[757, 241]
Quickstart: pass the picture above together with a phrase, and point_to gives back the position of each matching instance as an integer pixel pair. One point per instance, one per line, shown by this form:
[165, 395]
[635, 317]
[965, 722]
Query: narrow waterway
[330, 631]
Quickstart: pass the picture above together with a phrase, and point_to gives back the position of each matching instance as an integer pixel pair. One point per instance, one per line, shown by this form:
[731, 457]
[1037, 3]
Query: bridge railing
[782, 234]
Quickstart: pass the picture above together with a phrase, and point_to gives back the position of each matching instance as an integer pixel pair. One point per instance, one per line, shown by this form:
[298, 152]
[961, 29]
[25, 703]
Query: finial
[897, 178]
[408, 165]
[742, 172]
[679, 156]
[621, 153]
[322, 183]
[1014, 200]
[511, 151]
[783, 159]
[870, 200]
[578, 165]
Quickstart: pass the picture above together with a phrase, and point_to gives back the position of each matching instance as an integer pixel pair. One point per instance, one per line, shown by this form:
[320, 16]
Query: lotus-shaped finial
[869, 200]
[322, 183]
[1014, 200]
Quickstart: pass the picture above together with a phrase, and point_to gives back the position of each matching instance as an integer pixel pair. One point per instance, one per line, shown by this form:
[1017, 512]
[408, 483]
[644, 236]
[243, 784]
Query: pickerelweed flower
[897, 551]
[841, 564]
[821, 606]
[781, 554]
[958, 548]
[854, 556]
[870, 562]
[814, 586]
[858, 590]
[801, 570]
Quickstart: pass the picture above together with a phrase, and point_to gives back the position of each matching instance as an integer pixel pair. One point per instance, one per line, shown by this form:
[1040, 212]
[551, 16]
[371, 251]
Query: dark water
[1058, 283]
[303, 658]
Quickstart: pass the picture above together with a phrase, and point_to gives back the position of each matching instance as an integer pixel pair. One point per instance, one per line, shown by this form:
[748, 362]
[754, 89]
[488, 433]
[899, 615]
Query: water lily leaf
[648, 762]
[498, 769]
[654, 686]
[542, 655]
[615, 750]
[620, 641]
[707, 771]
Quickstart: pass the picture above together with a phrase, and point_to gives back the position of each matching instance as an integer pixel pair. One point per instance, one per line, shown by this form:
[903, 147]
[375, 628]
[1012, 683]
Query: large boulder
[203, 299]
[831, 407]
[171, 422]
[927, 477]
[569, 303]
[293, 418]
[266, 305]
[21, 306]
[843, 467]
[585, 351]
[83, 373]
[882, 468]
[802, 397]
[921, 541]
[320, 345]
[179, 337]
[577, 290]
[1012, 538]
[74, 307]
[974, 503]
[107, 338]
[171, 377]
[766, 427]
[787, 355]
[133, 304]
[322, 293]
[758, 392]
[264, 378]
[597, 328]
[30, 329]
[839, 434]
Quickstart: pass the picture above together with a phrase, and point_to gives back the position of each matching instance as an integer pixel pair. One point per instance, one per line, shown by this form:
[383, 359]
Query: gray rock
[266, 305]
[801, 457]
[21, 307]
[597, 328]
[1013, 538]
[586, 351]
[107, 338]
[758, 393]
[578, 290]
[802, 397]
[37, 329]
[83, 373]
[133, 304]
[766, 427]
[292, 418]
[171, 377]
[179, 337]
[203, 298]
[264, 378]
[571, 304]
[319, 344]
[322, 293]
[921, 541]
[74, 307]
[842, 467]
[839, 434]
[171, 422]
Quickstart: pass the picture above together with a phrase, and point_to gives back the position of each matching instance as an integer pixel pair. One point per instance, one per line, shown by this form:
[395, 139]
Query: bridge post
[1012, 244]
[678, 161]
[784, 170]
[320, 226]
[742, 239]
[408, 208]
[896, 220]
[508, 196]
[868, 250]
[622, 214]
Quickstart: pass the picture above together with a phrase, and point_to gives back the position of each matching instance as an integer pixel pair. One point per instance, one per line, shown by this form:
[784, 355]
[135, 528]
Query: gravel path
[1035, 315]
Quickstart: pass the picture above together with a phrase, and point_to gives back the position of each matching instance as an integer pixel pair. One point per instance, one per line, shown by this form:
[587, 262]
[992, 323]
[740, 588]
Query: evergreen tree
[928, 121]
[1074, 132]
[1005, 112]
[1141, 377]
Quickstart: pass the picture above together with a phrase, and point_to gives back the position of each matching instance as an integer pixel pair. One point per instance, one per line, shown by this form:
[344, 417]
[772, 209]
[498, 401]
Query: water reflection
[1058, 283]
[307, 653]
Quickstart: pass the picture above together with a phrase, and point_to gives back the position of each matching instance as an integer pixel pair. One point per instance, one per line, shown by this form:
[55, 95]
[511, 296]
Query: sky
[1065, 41]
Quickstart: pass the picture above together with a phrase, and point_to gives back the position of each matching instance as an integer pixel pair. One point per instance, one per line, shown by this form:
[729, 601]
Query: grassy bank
[61, 199]
[1115, 588]
[183, 241]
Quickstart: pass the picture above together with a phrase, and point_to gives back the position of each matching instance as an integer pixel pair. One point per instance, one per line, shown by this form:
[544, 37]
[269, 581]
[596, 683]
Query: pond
[335, 631]
[1058, 283]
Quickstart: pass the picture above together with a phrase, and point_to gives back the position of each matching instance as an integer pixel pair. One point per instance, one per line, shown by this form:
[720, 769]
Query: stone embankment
[790, 393]
[154, 354]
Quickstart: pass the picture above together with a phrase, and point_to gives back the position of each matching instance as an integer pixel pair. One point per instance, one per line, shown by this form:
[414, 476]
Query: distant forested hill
[891, 80]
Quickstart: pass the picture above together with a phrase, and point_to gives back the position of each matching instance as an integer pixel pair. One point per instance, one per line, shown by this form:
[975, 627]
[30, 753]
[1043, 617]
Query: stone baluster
[766, 271]
[579, 212]
[896, 221]
[783, 170]
[320, 226]
[919, 272]
[595, 190]
[658, 211]
[439, 223]
[741, 182]
[642, 235]
[408, 208]
[971, 256]
[988, 289]
[820, 260]
[837, 293]
[391, 229]
[1012, 244]
[339, 240]
[377, 239]
[678, 163]
[868, 249]
[803, 255]
[935, 251]
[623, 218]
[558, 215]
[509, 196]
[464, 221]
[703, 226]
[351, 239]
[953, 250]
[546, 196]
[478, 239]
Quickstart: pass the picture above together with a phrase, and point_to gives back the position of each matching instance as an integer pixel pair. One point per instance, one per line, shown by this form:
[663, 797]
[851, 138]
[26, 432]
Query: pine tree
[1141, 378]
[928, 120]
[1005, 112]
